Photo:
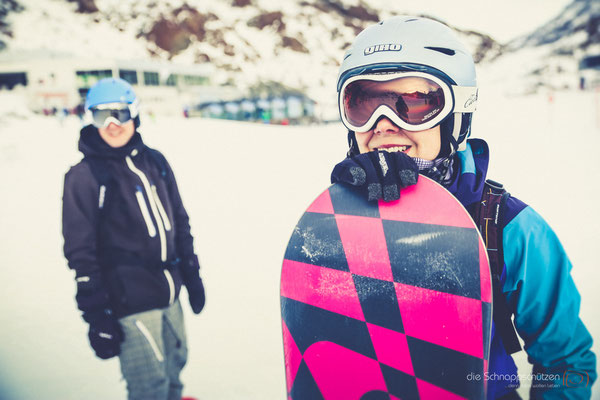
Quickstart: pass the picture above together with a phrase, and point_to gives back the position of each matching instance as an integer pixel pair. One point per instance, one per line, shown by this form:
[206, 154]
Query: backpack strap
[488, 215]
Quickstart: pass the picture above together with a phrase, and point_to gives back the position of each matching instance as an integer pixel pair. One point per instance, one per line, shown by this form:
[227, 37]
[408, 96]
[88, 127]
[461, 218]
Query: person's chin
[116, 143]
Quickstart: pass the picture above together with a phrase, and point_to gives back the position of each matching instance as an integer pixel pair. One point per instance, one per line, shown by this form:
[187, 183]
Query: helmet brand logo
[382, 47]
[471, 100]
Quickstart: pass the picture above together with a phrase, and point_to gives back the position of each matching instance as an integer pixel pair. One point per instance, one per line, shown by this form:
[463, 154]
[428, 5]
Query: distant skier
[127, 237]
[406, 94]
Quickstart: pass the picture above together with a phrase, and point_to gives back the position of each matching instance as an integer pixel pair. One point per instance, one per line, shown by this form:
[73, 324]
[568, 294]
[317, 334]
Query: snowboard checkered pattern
[386, 300]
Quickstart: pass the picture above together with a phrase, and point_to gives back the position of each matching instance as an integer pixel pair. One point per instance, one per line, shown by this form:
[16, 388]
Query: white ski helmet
[406, 43]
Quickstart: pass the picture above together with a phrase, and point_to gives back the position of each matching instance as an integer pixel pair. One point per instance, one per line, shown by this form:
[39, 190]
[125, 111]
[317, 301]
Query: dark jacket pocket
[139, 289]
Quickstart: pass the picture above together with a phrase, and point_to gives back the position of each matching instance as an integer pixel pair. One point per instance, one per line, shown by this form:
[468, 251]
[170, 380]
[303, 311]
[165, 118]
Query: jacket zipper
[171, 286]
[153, 207]
[150, 340]
[161, 209]
[144, 209]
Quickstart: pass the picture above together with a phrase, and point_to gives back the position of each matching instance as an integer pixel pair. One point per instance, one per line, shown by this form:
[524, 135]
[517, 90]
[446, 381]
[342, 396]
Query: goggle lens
[103, 117]
[416, 100]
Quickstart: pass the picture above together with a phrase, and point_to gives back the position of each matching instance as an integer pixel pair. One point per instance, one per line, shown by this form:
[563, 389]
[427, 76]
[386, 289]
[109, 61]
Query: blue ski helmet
[406, 43]
[113, 90]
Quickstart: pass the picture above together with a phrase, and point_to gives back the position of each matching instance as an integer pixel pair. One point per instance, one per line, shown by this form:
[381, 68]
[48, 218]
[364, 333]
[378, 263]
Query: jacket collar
[91, 144]
[471, 171]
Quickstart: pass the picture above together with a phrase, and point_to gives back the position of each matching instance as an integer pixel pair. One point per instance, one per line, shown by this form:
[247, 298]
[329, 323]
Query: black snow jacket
[128, 240]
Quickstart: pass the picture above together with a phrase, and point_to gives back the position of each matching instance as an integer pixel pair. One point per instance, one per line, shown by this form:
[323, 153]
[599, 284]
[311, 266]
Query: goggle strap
[465, 98]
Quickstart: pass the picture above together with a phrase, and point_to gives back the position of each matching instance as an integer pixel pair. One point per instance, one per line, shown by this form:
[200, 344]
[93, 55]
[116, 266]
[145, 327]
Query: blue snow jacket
[539, 291]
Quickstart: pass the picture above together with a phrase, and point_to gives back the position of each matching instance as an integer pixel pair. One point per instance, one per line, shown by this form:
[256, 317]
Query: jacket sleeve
[541, 293]
[184, 240]
[79, 225]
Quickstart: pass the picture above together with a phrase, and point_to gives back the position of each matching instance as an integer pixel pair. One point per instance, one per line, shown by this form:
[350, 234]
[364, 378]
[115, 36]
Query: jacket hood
[471, 171]
[91, 144]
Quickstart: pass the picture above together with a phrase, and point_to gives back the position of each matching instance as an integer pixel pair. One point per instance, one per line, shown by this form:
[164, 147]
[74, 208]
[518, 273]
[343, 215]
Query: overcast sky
[503, 20]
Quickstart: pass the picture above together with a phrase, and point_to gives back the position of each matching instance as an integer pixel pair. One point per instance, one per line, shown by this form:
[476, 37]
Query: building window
[89, 78]
[193, 80]
[151, 78]
[128, 75]
[10, 80]
[171, 80]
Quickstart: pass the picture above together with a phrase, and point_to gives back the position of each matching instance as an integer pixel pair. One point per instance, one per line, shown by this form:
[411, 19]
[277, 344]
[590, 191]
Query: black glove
[379, 173]
[105, 334]
[193, 283]
[91, 296]
[195, 290]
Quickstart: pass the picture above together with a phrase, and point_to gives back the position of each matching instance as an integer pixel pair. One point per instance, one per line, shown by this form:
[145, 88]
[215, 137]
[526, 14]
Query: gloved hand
[190, 270]
[91, 296]
[195, 290]
[379, 173]
[105, 334]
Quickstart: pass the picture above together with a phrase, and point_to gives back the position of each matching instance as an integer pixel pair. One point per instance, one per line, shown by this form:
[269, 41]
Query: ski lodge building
[55, 80]
[589, 72]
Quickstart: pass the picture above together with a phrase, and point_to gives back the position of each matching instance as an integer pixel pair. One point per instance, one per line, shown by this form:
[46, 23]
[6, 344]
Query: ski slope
[244, 186]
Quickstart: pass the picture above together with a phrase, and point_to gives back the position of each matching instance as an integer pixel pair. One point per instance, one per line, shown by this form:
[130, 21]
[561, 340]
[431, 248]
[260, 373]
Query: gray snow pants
[153, 353]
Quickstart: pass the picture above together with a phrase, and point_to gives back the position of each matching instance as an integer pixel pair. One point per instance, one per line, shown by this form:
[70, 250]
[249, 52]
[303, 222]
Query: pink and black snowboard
[386, 300]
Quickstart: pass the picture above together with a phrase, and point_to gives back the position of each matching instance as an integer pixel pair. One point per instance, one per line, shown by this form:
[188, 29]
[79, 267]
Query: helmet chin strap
[441, 168]
[352, 145]
[456, 134]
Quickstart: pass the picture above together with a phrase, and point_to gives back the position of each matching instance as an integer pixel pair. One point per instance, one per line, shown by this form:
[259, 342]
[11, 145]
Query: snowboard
[386, 300]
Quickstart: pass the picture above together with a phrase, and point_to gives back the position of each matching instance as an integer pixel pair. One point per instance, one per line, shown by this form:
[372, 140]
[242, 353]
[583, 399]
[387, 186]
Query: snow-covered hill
[244, 203]
[576, 28]
[298, 43]
[549, 56]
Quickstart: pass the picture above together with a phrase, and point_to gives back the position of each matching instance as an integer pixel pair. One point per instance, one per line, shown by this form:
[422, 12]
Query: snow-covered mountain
[549, 56]
[7, 7]
[576, 28]
[297, 43]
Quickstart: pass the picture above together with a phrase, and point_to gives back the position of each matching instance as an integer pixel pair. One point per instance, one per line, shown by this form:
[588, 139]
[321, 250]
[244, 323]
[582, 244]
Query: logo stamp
[382, 47]
[576, 379]
[471, 101]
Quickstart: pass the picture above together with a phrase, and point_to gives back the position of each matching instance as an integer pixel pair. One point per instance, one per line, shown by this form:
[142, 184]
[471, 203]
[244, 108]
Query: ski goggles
[414, 101]
[105, 114]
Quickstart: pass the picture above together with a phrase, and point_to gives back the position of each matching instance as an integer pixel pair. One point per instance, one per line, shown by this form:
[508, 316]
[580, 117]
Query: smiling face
[117, 135]
[385, 135]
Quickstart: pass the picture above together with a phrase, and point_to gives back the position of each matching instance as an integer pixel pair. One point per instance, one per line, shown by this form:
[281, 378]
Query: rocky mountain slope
[295, 43]
[549, 57]
[7, 7]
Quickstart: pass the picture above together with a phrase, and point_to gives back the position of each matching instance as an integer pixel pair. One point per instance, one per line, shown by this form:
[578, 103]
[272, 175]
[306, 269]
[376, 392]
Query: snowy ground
[245, 186]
